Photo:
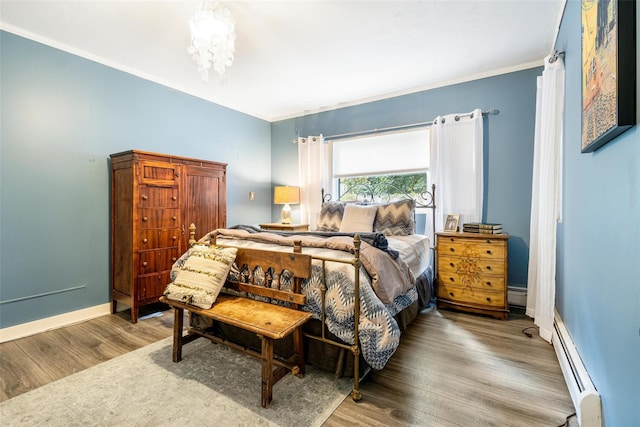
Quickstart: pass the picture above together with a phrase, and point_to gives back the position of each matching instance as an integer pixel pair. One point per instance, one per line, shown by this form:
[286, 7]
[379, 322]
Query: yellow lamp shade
[285, 196]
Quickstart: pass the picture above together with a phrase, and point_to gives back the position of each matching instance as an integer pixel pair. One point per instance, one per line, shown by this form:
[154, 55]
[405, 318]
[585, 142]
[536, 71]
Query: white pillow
[202, 276]
[358, 218]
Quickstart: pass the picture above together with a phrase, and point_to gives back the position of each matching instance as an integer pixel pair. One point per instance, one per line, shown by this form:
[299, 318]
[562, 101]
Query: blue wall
[598, 278]
[61, 118]
[508, 144]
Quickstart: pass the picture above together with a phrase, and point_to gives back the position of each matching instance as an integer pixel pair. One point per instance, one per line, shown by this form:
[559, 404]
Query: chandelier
[213, 37]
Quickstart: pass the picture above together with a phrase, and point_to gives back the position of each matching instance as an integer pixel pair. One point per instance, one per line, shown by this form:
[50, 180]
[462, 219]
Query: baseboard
[42, 325]
[584, 395]
[517, 296]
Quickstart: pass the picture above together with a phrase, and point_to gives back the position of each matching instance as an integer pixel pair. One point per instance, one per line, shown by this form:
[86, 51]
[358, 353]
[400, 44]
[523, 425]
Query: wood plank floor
[451, 369]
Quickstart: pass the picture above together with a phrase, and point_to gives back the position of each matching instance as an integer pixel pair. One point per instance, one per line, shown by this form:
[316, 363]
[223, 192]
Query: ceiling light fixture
[213, 38]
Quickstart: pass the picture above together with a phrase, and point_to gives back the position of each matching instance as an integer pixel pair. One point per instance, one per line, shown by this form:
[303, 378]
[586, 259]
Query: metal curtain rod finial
[554, 56]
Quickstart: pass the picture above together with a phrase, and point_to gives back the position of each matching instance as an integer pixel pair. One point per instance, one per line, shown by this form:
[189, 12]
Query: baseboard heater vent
[586, 398]
[517, 296]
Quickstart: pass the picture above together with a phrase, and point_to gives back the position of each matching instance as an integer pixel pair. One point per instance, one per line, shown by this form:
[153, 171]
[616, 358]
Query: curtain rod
[400, 127]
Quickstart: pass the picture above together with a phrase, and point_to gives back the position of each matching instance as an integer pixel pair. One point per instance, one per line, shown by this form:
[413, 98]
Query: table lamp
[286, 196]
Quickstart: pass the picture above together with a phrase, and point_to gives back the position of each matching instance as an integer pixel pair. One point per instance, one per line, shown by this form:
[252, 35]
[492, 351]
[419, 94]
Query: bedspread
[386, 287]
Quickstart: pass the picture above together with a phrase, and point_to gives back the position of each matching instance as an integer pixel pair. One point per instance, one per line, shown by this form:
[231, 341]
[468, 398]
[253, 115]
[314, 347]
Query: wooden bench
[269, 321]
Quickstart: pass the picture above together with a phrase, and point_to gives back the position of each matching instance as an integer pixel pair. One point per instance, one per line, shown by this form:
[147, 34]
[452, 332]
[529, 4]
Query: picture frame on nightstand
[451, 223]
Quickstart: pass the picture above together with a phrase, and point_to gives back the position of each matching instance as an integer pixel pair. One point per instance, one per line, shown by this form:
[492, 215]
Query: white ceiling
[299, 57]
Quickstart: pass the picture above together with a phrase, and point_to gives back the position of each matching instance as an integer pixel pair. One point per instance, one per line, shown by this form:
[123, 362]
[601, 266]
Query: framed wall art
[608, 70]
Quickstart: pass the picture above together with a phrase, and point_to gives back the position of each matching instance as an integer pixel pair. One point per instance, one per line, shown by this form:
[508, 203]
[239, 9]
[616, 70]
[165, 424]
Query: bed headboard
[365, 193]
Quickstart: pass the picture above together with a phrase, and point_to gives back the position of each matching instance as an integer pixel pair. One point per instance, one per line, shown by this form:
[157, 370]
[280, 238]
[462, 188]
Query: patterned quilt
[378, 333]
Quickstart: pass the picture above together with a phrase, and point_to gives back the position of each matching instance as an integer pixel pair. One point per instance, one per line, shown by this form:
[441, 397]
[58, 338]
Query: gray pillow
[396, 218]
[330, 218]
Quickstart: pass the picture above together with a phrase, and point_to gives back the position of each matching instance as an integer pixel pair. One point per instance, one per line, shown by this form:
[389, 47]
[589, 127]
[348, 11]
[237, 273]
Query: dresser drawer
[485, 281]
[157, 260]
[152, 285]
[158, 218]
[465, 295]
[157, 238]
[471, 265]
[159, 173]
[158, 197]
[484, 248]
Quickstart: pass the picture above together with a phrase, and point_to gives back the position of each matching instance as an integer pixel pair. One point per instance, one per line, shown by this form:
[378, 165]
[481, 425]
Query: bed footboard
[323, 335]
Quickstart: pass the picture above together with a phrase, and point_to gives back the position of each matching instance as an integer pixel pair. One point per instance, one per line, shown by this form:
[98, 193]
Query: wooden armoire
[154, 199]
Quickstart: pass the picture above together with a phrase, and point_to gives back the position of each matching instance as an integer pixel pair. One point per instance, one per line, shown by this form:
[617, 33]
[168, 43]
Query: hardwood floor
[34, 361]
[451, 369]
[456, 369]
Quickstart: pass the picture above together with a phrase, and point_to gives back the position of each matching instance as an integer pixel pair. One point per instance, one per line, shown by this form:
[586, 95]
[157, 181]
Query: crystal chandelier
[213, 37]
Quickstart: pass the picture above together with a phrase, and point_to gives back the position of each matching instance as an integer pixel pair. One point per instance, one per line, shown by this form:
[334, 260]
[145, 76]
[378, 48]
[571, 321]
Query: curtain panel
[315, 159]
[457, 166]
[546, 198]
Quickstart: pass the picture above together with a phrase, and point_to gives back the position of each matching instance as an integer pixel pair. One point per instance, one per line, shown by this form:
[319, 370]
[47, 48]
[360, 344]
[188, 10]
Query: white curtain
[457, 166]
[546, 198]
[315, 171]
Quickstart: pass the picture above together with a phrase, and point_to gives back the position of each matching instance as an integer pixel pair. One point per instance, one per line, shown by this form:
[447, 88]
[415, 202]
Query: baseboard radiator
[586, 398]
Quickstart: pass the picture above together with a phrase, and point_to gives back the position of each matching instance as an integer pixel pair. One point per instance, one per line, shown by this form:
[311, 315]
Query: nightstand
[472, 272]
[276, 226]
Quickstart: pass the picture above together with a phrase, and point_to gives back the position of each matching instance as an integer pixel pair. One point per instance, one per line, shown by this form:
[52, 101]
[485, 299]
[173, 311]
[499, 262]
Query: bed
[369, 284]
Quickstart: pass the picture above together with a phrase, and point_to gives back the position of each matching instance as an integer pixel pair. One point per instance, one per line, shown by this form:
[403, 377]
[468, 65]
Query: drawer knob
[452, 249]
[145, 240]
[488, 299]
[144, 264]
[489, 251]
[488, 241]
[451, 264]
[451, 294]
[144, 218]
[488, 283]
[174, 218]
[174, 198]
[159, 277]
[145, 197]
[177, 175]
[174, 237]
[488, 267]
[174, 259]
[452, 279]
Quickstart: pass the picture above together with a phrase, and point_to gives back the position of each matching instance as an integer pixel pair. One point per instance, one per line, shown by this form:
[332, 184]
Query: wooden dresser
[472, 271]
[154, 198]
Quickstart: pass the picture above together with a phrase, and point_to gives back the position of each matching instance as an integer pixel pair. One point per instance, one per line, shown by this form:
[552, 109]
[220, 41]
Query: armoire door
[205, 200]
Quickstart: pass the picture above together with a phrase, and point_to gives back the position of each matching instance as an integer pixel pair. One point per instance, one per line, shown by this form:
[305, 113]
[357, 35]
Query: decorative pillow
[358, 218]
[396, 218]
[202, 276]
[330, 218]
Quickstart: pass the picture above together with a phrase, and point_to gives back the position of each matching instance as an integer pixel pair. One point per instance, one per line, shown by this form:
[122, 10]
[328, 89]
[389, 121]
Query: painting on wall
[608, 70]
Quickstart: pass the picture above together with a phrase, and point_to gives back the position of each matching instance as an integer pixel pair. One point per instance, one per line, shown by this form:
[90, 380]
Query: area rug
[212, 385]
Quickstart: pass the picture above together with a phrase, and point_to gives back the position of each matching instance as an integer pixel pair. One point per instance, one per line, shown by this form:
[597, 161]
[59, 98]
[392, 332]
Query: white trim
[42, 325]
[95, 58]
[434, 85]
[584, 395]
[555, 36]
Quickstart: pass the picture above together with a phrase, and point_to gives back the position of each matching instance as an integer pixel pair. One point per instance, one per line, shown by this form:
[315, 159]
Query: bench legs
[178, 319]
[271, 376]
[267, 372]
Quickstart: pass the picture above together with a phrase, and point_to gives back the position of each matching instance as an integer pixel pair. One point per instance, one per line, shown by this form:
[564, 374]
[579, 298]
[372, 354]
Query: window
[394, 165]
[389, 187]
